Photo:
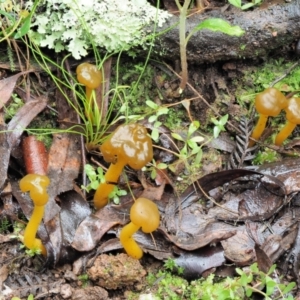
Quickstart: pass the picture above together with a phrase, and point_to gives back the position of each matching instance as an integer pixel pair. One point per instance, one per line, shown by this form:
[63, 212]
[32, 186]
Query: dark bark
[267, 28]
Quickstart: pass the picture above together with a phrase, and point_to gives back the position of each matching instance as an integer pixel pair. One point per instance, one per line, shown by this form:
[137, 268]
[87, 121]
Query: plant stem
[182, 43]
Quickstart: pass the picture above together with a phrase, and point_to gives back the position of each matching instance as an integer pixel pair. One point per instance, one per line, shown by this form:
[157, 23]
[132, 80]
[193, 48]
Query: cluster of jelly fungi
[144, 214]
[268, 103]
[127, 145]
[91, 78]
[36, 185]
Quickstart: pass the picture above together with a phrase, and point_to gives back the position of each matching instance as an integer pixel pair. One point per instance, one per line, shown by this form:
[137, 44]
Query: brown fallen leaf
[4, 154]
[286, 171]
[196, 262]
[240, 248]
[7, 86]
[62, 228]
[256, 203]
[11, 133]
[3, 274]
[4, 238]
[63, 168]
[92, 229]
[23, 117]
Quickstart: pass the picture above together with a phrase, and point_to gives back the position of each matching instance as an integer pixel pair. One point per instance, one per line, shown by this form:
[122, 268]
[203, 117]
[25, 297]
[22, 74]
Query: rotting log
[266, 28]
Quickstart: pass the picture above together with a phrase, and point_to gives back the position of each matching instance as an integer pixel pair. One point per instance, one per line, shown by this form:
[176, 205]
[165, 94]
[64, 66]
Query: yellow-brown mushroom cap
[129, 143]
[89, 75]
[270, 102]
[37, 187]
[144, 213]
[293, 111]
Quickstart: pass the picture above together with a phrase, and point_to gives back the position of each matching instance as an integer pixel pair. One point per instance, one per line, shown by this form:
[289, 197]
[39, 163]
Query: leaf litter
[190, 223]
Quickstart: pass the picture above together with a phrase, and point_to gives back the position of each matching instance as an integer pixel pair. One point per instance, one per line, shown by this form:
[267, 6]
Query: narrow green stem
[182, 43]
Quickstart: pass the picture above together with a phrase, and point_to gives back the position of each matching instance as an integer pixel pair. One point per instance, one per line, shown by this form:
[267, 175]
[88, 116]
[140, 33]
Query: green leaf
[254, 268]
[153, 173]
[249, 292]
[157, 124]
[162, 111]
[155, 134]
[236, 3]
[177, 136]
[94, 185]
[152, 119]
[197, 139]
[270, 285]
[193, 127]
[198, 157]
[239, 271]
[217, 131]
[161, 166]
[224, 120]
[152, 104]
[24, 29]
[216, 24]
[248, 5]
[289, 287]
[8, 15]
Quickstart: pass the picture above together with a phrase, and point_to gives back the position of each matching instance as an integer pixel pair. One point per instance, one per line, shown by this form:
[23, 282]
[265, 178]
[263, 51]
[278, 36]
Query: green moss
[255, 81]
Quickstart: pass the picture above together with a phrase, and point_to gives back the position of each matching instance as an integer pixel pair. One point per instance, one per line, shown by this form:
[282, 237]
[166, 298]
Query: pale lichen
[74, 25]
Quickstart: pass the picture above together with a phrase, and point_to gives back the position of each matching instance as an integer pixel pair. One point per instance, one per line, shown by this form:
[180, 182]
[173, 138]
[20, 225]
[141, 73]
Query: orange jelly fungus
[268, 103]
[293, 119]
[143, 214]
[128, 145]
[91, 78]
[36, 185]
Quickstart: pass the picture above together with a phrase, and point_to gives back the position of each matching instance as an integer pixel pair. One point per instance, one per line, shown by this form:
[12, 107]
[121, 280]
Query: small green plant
[219, 125]
[254, 280]
[30, 297]
[190, 146]
[13, 107]
[159, 110]
[239, 4]
[153, 167]
[266, 156]
[32, 252]
[96, 176]
[84, 278]
[213, 24]
[250, 280]
[4, 225]
[171, 265]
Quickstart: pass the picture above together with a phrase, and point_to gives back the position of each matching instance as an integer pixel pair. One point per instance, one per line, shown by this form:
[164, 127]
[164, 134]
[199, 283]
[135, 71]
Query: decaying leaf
[7, 86]
[63, 169]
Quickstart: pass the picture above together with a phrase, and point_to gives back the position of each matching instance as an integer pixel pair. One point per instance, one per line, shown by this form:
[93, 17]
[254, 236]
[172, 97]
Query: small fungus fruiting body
[91, 78]
[268, 103]
[144, 214]
[36, 185]
[128, 145]
[293, 119]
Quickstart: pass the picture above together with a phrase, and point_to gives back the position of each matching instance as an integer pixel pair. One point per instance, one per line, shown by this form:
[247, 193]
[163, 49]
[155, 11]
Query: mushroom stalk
[284, 133]
[31, 229]
[111, 178]
[130, 245]
[258, 130]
